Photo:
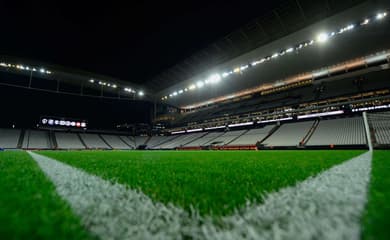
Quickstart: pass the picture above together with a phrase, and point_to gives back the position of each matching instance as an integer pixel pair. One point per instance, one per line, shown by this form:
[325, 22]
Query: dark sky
[131, 40]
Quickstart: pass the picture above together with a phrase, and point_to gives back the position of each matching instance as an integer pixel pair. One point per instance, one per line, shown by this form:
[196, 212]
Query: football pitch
[211, 184]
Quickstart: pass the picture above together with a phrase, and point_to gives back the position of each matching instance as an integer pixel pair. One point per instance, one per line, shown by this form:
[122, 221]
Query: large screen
[62, 122]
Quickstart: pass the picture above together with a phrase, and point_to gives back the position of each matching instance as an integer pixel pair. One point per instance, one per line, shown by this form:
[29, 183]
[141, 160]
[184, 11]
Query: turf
[214, 182]
[29, 205]
[376, 224]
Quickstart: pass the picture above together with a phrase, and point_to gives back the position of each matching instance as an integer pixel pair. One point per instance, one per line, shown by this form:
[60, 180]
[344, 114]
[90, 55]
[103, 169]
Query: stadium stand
[205, 139]
[288, 135]
[155, 141]
[128, 140]
[227, 137]
[9, 138]
[252, 136]
[343, 131]
[93, 141]
[380, 125]
[181, 140]
[36, 140]
[140, 140]
[68, 141]
[115, 142]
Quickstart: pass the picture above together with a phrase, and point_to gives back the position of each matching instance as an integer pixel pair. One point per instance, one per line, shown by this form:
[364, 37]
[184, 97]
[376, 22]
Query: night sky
[133, 41]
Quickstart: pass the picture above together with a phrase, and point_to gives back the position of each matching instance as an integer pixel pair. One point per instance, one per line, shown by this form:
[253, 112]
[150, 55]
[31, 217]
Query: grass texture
[213, 182]
[29, 205]
[376, 222]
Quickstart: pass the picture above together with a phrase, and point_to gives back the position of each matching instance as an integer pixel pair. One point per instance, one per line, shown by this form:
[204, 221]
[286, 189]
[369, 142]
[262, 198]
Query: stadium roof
[284, 18]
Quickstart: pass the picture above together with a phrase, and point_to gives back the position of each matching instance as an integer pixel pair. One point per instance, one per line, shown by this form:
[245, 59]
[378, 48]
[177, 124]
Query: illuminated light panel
[275, 120]
[240, 124]
[217, 127]
[321, 114]
[195, 130]
[178, 132]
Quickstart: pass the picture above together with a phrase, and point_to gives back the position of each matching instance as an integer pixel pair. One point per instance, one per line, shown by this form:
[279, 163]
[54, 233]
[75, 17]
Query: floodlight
[275, 55]
[381, 15]
[141, 93]
[42, 70]
[200, 84]
[322, 37]
[192, 87]
[215, 78]
[174, 93]
[288, 50]
[180, 91]
[366, 21]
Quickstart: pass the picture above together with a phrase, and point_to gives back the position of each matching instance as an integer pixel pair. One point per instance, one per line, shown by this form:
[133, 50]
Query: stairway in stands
[308, 135]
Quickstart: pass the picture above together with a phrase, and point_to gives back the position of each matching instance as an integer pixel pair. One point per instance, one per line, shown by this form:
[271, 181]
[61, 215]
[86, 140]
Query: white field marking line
[327, 206]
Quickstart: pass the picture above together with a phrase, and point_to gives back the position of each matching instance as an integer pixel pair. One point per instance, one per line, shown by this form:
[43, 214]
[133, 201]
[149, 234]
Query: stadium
[266, 120]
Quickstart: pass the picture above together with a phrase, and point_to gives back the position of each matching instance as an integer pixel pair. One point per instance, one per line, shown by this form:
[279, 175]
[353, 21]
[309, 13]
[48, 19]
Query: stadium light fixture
[199, 84]
[288, 50]
[42, 70]
[141, 93]
[192, 87]
[380, 16]
[91, 81]
[322, 37]
[215, 78]
[365, 22]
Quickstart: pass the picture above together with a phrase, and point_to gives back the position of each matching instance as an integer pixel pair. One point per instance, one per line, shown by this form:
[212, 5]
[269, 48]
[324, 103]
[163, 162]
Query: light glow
[322, 37]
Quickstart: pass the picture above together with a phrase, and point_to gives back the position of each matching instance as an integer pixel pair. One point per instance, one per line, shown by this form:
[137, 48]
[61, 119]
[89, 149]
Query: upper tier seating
[252, 136]
[343, 131]
[93, 141]
[36, 140]
[115, 142]
[289, 134]
[68, 141]
[9, 138]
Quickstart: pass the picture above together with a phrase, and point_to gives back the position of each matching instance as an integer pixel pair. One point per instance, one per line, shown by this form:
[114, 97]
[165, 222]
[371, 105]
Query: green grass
[29, 205]
[214, 182]
[376, 222]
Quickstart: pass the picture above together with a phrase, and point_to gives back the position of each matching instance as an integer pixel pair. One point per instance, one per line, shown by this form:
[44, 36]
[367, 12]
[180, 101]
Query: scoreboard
[63, 122]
